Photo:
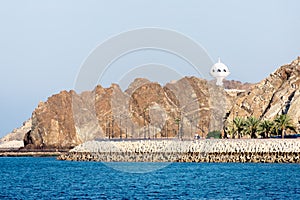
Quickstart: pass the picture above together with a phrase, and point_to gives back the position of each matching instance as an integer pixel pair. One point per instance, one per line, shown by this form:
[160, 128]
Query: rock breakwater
[245, 150]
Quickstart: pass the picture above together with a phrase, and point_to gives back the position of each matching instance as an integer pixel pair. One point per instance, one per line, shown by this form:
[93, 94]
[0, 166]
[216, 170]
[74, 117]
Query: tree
[251, 125]
[283, 123]
[266, 128]
[238, 127]
[177, 121]
[230, 130]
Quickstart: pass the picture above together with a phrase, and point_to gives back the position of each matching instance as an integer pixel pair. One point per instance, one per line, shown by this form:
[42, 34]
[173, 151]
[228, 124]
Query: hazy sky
[44, 43]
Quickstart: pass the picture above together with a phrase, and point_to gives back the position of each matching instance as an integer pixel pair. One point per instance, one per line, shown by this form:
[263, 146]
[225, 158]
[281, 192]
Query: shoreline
[31, 153]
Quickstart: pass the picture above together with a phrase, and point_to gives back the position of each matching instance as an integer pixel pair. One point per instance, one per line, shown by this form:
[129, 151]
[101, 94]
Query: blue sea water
[48, 178]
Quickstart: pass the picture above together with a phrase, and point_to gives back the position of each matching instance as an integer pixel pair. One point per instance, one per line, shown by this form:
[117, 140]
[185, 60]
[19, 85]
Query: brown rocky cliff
[53, 124]
[277, 94]
[146, 109]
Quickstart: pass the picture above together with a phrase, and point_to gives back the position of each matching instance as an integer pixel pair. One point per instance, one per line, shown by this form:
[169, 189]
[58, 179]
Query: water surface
[47, 178]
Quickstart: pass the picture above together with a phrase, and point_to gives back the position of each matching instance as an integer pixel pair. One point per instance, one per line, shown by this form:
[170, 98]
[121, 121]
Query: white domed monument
[219, 71]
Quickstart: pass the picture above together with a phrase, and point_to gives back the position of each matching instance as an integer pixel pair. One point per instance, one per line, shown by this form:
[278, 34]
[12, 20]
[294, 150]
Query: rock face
[144, 110]
[53, 124]
[148, 110]
[18, 133]
[233, 84]
[277, 94]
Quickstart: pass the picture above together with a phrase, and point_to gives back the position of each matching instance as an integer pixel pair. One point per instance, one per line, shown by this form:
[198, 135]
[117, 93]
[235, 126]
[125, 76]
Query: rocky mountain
[148, 110]
[53, 124]
[233, 84]
[277, 94]
[15, 138]
[18, 133]
[144, 110]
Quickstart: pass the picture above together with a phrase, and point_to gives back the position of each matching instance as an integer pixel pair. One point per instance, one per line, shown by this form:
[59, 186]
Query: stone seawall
[246, 150]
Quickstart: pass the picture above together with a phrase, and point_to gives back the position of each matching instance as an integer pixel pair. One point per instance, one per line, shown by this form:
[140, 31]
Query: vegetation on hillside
[214, 134]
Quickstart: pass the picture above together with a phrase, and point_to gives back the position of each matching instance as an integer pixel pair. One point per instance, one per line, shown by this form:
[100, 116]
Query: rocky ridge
[277, 94]
[16, 137]
[187, 106]
[144, 110]
[18, 133]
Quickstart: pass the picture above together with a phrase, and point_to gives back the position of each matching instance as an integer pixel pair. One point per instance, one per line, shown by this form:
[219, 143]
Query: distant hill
[233, 84]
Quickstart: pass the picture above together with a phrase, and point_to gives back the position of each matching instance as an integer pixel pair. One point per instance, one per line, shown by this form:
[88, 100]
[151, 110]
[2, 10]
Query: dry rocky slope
[277, 94]
[15, 138]
[18, 133]
[187, 106]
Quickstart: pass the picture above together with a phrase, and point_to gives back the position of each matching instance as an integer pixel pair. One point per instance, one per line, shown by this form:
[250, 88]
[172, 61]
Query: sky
[43, 44]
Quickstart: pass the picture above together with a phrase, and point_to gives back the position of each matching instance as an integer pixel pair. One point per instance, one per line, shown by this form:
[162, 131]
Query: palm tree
[282, 123]
[177, 121]
[230, 130]
[238, 126]
[265, 128]
[251, 125]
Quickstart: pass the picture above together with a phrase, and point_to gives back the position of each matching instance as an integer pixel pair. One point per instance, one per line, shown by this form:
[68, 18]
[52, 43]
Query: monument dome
[219, 71]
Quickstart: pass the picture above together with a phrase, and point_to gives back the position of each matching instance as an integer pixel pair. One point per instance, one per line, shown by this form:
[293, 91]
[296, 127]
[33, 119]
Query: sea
[48, 178]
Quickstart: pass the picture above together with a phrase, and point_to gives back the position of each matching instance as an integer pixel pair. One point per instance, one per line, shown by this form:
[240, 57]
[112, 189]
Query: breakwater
[244, 150]
[30, 152]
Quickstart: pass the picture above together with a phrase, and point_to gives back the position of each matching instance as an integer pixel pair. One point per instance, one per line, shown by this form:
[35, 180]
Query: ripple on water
[47, 178]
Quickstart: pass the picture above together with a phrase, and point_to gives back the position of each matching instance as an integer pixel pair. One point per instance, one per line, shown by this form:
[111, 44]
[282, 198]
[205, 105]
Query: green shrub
[214, 134]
